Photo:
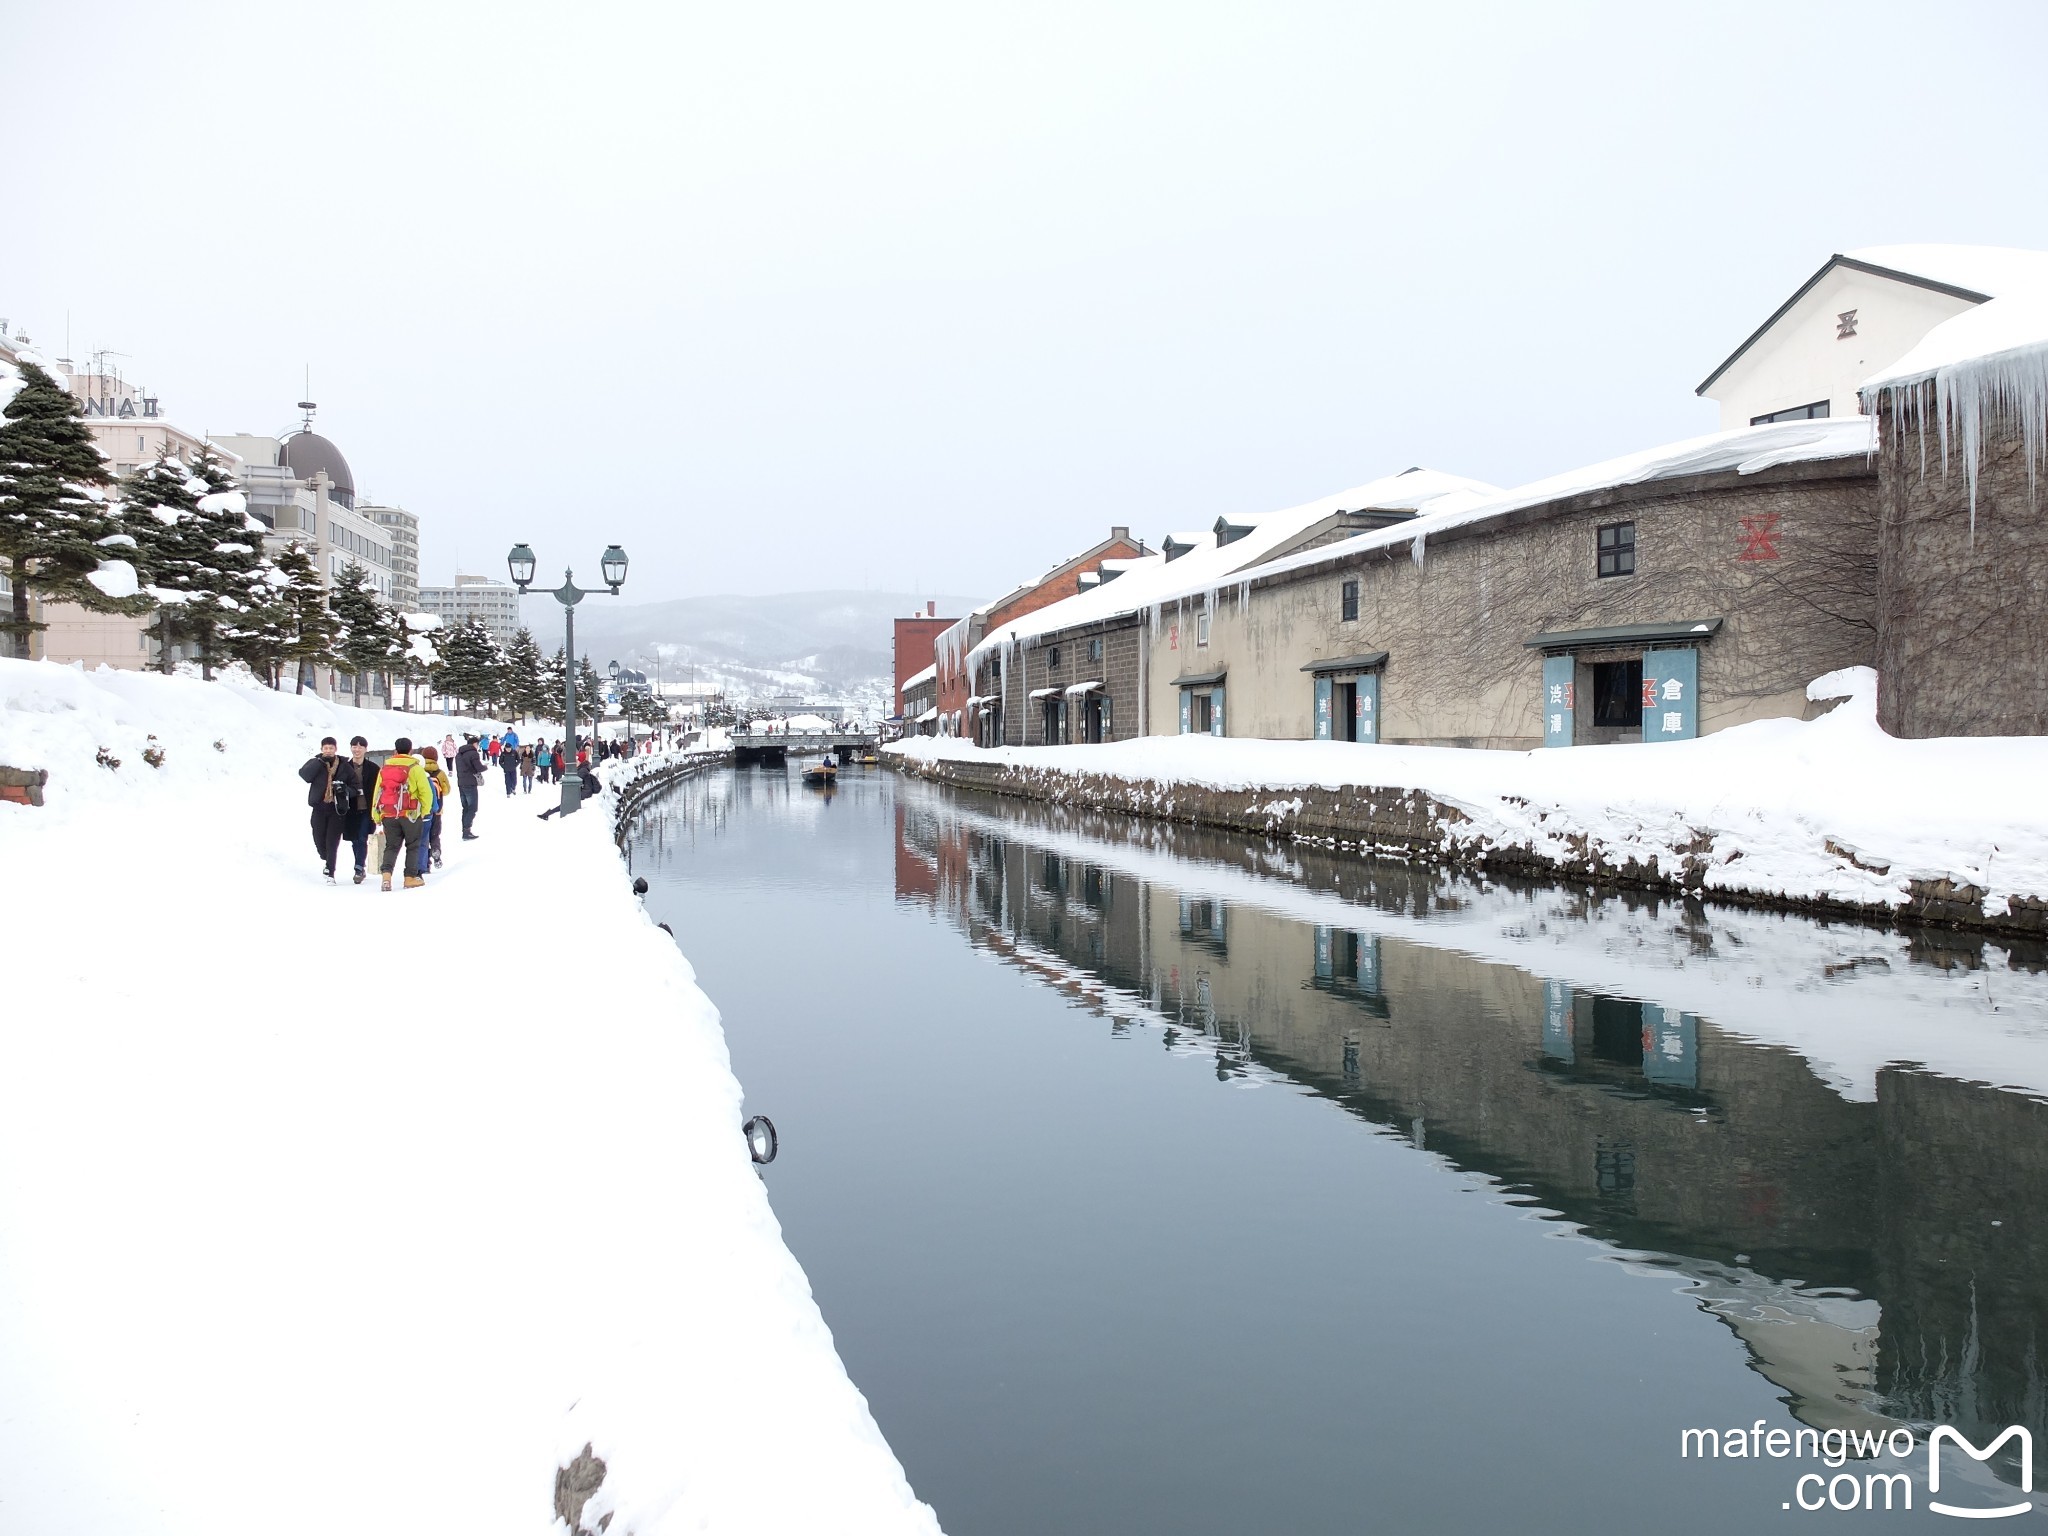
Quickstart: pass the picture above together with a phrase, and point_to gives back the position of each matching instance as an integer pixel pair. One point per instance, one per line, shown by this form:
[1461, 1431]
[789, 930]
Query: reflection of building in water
[1791, 1211]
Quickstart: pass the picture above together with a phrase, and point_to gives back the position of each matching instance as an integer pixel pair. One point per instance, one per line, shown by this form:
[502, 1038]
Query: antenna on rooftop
[307, 405]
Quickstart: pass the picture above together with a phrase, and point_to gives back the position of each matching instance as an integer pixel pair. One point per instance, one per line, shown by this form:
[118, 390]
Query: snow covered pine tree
[57, 527]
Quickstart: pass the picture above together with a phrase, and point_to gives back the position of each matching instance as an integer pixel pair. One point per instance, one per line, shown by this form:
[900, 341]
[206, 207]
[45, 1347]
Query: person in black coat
[353, 779]
[469, 773]
[320, 772]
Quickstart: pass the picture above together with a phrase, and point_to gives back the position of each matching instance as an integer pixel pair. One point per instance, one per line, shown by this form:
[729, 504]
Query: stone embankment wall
[1411, 824]
[645, 786]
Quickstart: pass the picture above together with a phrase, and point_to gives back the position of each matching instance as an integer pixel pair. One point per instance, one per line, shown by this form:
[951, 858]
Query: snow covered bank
[324, 1208]
[1830, 812]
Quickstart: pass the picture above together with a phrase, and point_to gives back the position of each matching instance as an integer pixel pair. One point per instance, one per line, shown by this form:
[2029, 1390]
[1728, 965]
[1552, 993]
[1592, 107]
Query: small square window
[1350, 600]
[1052, 661]
[1095, 649]
[1617, 549]
[1202, 627]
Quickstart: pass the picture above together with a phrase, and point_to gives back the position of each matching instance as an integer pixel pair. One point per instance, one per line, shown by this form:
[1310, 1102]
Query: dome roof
[306, 453]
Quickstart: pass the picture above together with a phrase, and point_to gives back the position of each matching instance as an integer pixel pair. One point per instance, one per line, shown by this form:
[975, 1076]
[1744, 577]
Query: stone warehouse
[1651, 599]
[1078, 670]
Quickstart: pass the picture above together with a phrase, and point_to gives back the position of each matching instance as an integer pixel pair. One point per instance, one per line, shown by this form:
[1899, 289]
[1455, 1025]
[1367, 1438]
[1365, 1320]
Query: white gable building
[1858, 315]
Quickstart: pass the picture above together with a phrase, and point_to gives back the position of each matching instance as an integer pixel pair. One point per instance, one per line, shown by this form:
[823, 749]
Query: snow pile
[1830, 809]
[325, 1207]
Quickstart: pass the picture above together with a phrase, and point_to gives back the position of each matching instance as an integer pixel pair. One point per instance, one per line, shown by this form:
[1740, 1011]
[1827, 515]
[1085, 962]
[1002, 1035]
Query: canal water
[1154, 1180]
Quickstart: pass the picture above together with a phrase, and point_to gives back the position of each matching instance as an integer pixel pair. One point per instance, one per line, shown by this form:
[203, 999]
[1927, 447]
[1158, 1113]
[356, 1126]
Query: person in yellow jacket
[399, 805]
[430, 841]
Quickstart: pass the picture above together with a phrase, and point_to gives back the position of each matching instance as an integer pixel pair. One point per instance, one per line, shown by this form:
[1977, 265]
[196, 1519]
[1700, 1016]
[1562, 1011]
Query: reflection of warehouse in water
[1844, 1242]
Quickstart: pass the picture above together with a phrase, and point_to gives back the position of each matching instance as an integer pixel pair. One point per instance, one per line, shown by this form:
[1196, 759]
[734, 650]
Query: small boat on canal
[825, 774]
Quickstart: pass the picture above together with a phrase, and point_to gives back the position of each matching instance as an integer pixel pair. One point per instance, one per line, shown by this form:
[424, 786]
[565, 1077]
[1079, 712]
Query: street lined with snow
[328, 1207]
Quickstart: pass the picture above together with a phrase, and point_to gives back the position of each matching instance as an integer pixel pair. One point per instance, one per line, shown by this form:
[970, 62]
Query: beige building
[1855, 317]
[403, 530]
[495, 602]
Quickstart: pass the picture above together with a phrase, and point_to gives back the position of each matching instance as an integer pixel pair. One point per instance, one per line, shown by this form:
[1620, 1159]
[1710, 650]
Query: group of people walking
[402, 798]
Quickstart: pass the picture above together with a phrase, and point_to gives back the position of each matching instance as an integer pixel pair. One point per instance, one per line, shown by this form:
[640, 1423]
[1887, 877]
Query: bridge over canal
[780, 747]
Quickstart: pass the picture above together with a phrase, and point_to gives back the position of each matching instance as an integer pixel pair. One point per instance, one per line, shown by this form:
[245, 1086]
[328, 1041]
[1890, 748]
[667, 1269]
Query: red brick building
[913, 646]
[1063, 580]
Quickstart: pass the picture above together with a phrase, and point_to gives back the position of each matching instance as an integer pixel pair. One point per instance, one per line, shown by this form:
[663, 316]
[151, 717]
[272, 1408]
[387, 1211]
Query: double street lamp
[613, 563]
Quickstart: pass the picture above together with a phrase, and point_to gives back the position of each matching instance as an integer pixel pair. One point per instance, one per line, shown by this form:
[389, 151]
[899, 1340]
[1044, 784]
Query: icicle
[2006, 390]
[1415, 549]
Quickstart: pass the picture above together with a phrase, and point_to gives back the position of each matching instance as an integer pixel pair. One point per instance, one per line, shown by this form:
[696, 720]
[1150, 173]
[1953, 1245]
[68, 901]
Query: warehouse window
[1617, 549]
[1350, 601]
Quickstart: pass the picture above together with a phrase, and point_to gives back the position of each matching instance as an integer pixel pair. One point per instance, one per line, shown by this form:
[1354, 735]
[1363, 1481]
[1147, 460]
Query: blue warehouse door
[1367, 706]
[1557, 701]
[1323, 708]
[1671, 685]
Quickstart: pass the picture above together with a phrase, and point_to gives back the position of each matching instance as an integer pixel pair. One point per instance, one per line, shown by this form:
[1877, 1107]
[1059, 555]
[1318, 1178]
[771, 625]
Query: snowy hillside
[324, 1208]
[824, 645]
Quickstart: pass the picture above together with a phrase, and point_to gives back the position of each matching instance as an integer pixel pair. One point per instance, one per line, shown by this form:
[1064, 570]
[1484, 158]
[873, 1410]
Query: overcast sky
[926, 297]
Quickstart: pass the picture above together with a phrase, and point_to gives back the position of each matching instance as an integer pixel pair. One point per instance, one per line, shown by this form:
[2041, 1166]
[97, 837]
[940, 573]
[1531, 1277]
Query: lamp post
[613, 670]
[613, 563]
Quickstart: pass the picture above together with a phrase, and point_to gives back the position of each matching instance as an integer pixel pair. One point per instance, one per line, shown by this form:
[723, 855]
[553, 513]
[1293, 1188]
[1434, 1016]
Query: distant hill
[832, 645]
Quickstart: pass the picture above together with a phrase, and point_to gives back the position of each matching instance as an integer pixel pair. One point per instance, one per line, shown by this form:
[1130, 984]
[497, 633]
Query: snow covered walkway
[1831, 811]
[325, 1210]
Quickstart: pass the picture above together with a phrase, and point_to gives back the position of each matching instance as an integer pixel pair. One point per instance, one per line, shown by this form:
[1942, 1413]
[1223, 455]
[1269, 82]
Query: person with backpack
[400, 807]
[469, 773]
[430, 840]
[508, 759]
[543, 762]
[320, 772]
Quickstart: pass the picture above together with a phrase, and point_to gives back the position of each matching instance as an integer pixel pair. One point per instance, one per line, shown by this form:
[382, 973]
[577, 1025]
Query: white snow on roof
[1145, 582]
[1996, 270]
[929, 675]
[1746, 450]
[2010, 323]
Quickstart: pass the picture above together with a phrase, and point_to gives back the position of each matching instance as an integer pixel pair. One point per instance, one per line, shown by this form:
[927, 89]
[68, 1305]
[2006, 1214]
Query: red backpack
[394, 792]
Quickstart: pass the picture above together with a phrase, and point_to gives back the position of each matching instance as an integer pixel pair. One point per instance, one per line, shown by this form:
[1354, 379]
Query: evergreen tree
[314, 636]
[554, 678]
[471, 667]
[54, 514]
[419, 652]
[589, 695]
[525, 684]
[227, 572]
[160, 502]
[645, 707]
[293, 625]
[369, 632]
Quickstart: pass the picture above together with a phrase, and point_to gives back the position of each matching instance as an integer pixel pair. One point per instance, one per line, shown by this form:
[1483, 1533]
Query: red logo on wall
[1759, 537]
